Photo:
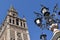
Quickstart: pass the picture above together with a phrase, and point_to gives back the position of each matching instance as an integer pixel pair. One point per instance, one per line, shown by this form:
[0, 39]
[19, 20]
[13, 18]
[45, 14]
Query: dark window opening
[24, 24]
[21, 23]
[13, 21]
[13, 14]
[17, 21]
[10, 20]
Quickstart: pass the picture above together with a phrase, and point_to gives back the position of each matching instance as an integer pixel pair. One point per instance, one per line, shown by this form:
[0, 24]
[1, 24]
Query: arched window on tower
[17, 22]
[13, 14]
[9, 20]
[24, 24]
[21, 23]
[13, 21]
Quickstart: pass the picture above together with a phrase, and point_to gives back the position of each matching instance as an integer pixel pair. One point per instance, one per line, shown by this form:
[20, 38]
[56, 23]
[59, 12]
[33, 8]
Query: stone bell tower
[13, 27]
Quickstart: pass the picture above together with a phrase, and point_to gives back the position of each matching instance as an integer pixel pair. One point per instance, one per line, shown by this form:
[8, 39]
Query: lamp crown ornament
[47, 16]
[47, 20]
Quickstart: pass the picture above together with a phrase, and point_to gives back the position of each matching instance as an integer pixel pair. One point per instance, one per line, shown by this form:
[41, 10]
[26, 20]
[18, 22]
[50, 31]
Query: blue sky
[27, 8]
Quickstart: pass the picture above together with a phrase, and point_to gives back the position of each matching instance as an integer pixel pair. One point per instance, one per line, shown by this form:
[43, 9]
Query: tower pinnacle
[12, 8]
[12, 11]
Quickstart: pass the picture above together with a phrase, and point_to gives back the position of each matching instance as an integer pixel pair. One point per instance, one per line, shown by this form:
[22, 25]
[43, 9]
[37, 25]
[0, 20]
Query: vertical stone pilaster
[7, 18]
[4, 37]
[15, 35]
[22, 36]
[8, 32]
[28, 35]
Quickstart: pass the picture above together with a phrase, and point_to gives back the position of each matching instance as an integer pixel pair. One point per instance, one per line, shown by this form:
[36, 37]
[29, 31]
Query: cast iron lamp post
[49, 19]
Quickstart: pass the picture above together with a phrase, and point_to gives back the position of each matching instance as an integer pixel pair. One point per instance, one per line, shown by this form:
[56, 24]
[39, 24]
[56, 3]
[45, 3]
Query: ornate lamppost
[51, 20]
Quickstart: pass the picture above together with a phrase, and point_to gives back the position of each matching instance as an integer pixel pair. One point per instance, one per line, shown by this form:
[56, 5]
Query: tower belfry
[13, 27]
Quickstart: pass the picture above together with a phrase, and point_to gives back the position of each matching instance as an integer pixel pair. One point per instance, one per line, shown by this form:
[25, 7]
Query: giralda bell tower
[13, 27]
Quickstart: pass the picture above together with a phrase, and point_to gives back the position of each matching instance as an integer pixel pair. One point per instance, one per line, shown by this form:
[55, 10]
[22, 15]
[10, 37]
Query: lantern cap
[43, 35]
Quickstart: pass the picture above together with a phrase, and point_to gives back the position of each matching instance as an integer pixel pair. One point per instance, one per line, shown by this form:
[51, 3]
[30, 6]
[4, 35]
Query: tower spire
[12, 11]
[12, 8]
